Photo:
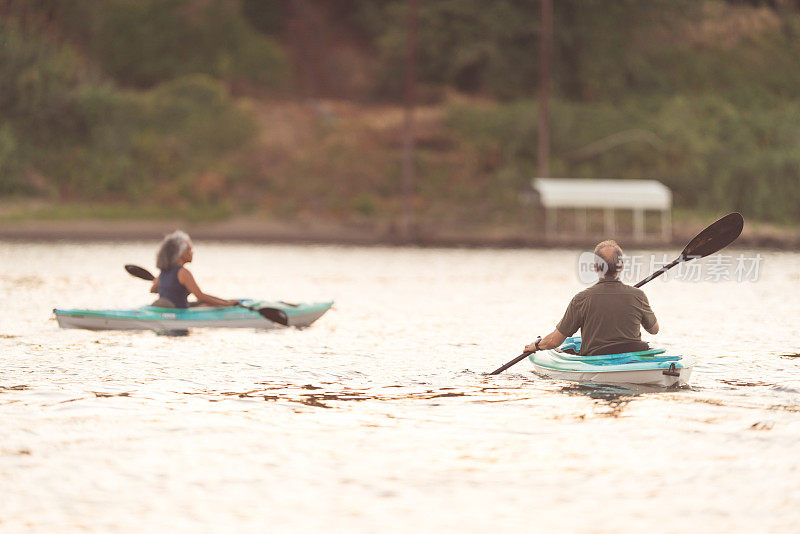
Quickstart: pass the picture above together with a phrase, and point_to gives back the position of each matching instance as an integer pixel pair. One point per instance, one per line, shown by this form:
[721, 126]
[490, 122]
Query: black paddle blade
[274, 315]
[139, 272]
[717, 236]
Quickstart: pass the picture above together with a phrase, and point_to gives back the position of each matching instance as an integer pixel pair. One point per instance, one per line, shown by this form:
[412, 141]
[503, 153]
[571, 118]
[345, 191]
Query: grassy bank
[41, 221]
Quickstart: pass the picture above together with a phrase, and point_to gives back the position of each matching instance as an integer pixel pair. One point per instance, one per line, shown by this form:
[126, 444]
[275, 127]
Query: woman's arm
[186, 278]
[550, 341]
[154, 287]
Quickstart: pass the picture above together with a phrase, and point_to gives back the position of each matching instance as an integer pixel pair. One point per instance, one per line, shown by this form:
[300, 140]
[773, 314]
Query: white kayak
[649, 367]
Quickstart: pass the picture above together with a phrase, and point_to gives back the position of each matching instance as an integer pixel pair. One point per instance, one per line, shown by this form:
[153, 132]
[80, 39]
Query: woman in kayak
[175, 282]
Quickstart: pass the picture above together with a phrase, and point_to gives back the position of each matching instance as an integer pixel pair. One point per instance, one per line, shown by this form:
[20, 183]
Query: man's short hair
[608, 257]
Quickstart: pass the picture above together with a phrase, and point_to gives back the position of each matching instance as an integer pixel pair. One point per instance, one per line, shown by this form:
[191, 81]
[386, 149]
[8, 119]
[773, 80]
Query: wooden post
[638, 224]
[666, 225]
[545, 44]
[609, 223]
[580, 217]
[551, 222]
[409, 177]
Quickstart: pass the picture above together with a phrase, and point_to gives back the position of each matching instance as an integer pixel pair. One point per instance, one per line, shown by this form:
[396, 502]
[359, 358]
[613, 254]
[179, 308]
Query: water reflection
[612, 399]
[328, 394]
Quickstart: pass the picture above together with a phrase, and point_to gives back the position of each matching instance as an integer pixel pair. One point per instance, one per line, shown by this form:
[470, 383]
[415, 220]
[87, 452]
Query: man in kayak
[609, 314]
[175, 282]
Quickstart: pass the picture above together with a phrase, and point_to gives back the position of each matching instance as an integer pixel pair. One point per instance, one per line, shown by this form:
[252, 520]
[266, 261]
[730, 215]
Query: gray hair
[169, 253]
[608, 258]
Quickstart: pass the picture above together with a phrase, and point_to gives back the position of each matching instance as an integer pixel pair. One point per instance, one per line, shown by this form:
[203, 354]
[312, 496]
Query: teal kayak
[177, 319]
[650, 367]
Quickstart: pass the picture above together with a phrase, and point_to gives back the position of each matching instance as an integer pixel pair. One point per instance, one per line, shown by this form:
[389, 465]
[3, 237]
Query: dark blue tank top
[170, 288]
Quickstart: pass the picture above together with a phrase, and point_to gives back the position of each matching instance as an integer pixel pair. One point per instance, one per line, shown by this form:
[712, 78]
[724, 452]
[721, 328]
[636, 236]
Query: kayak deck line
[300, 315]
[649, 367]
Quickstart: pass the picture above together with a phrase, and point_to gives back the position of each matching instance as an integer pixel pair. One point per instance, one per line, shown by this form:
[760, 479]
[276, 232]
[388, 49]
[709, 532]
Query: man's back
[607, 313]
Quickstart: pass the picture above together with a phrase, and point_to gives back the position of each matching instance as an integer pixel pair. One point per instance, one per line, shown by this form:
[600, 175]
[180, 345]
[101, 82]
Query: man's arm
[550, 341]
[649, 321]
[570, 323]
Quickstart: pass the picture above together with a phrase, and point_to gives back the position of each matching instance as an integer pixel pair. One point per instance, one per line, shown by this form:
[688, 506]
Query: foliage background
[293, 107]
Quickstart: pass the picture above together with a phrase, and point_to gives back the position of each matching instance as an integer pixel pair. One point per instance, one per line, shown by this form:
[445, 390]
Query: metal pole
[609, 222]
[551, 222]
[545, 45]
[666, 225]
[409, 177]
[638, 224]
[580, 217]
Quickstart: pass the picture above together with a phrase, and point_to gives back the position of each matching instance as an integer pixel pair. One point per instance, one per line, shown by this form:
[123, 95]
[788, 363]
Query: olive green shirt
[609, 312]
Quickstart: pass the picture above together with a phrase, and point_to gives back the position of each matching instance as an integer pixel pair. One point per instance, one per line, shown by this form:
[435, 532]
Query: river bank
[321, 231]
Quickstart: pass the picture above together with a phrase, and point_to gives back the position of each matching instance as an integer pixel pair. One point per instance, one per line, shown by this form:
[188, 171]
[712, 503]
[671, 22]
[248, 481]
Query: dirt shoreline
[326, 232]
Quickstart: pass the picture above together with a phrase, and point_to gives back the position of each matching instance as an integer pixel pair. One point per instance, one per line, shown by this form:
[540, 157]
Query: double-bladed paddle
[714, 238]
[139, 272]
[275, 315]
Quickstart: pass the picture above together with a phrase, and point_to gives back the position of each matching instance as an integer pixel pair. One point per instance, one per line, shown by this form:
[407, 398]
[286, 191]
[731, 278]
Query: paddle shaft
[515, 361]
[661, 271]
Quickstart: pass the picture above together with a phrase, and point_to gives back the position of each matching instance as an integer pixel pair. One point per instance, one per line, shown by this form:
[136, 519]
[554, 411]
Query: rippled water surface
[379, 416]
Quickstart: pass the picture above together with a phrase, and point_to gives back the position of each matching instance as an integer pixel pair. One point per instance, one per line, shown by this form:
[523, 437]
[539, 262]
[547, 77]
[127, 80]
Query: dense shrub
[145, 42]
[86, 139]
[154, 144]
[711, 153]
